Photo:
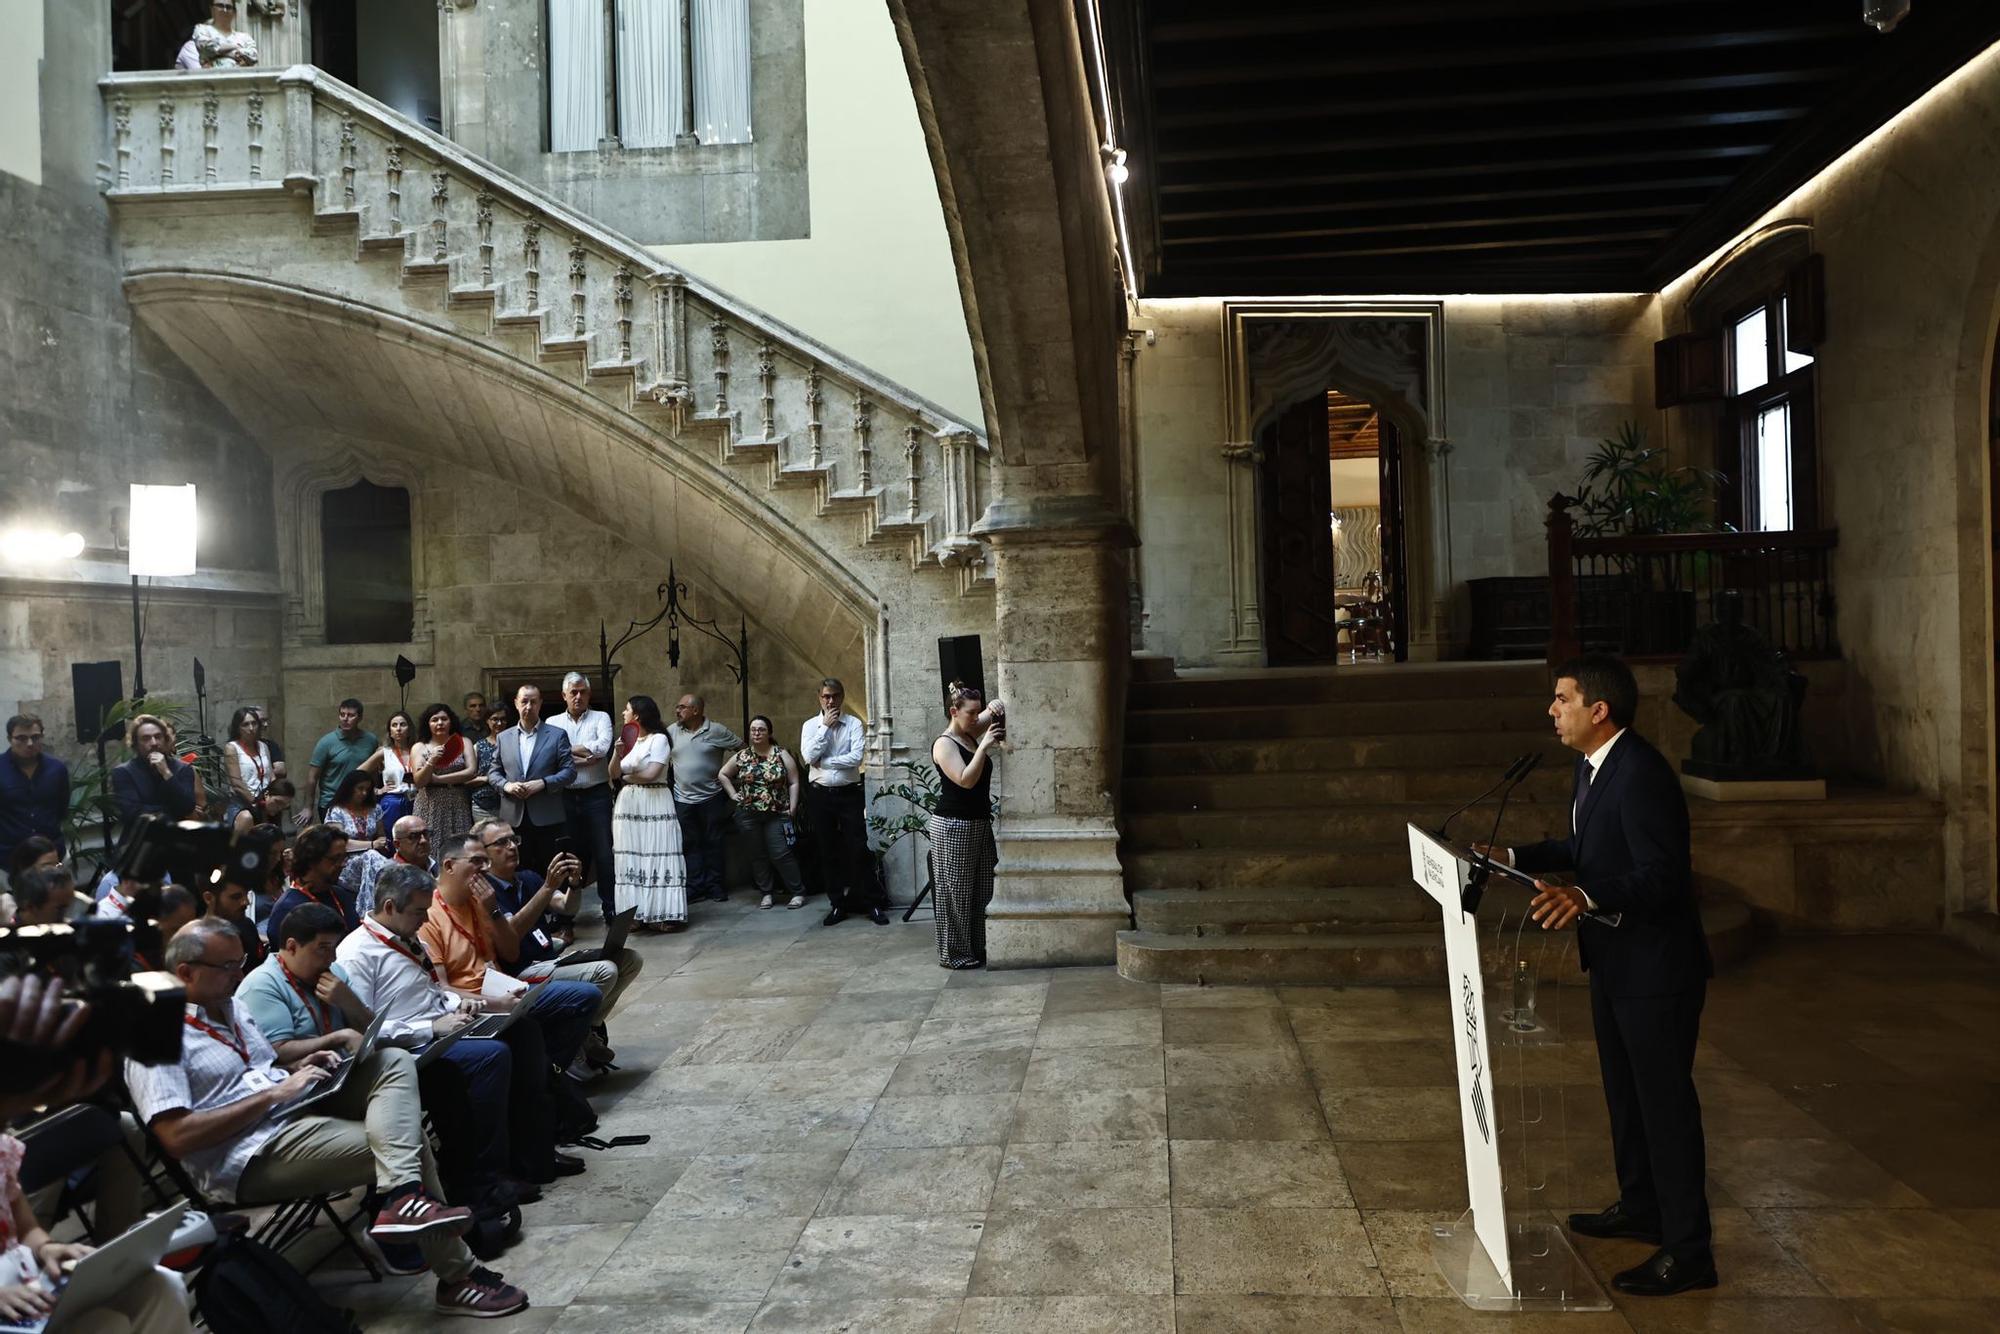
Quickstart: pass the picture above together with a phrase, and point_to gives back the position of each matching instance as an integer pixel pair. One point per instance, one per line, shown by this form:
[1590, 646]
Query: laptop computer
[330, 1088]
[490, 1025]
[615, 932]
[104, 1274]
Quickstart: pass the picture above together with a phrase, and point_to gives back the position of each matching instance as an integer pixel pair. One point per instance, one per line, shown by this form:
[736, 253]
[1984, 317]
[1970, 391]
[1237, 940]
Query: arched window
[365, 564]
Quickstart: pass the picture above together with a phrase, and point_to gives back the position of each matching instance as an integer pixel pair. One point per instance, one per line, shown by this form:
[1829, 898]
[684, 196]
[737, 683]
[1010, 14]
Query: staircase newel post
[440, 208]
[864, 450]
[296, 84]
[211, 122]
[1563, 641]
[531, 256]
[621, 296]
[484, 206]
[718, 335]
[577, 270]
[767, 384]
[393, 172]
[815, 457]
[913, 443]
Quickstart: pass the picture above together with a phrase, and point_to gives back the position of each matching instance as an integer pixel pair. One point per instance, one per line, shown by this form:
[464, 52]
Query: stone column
[1064, 650]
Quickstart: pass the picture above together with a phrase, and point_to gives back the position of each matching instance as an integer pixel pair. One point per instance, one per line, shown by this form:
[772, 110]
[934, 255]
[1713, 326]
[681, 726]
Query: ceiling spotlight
[1884, 15]
[1117, 170]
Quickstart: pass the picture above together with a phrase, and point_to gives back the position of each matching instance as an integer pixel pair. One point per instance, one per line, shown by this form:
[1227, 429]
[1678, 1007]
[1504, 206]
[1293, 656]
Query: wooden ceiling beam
[1504, 166]
[1469, 246]
[1297, 203]
[1666, 214]
[1202, 22]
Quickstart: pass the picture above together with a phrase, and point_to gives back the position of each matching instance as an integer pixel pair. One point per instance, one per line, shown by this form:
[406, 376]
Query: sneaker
[597, 1051]
[877, 916]
[482, 1294]
[414, 1213]
[798, 901]
[835, 917]
[766, 903]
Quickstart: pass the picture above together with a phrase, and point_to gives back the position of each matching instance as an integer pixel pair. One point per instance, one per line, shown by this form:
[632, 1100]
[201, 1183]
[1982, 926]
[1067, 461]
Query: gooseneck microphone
[1520, 766]
[1524, 771]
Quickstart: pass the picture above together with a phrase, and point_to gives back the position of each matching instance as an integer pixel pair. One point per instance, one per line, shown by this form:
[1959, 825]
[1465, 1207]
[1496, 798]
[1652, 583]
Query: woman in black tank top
[961, 828]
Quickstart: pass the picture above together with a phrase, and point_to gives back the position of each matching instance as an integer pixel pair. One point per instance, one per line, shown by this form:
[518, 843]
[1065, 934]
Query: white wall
[875, 279]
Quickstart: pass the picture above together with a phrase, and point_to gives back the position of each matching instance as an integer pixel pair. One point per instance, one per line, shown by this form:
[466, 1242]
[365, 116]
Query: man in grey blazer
[531, 766]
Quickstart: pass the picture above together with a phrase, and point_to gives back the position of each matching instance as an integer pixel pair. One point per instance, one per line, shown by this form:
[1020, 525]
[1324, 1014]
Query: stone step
[1361, 750]
[1443, 786]
[1306, 868]
[1244, 722]
[1380, 958]
[1283, 910]
[1309, 829]
[1528, 683]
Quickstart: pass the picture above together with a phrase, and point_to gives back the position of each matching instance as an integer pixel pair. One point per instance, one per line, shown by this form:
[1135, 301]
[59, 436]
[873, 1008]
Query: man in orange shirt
[459, 934]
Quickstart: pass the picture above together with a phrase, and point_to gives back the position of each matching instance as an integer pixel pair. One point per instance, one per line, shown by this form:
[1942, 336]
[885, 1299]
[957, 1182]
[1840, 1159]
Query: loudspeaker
[958, 660]
[98, 686]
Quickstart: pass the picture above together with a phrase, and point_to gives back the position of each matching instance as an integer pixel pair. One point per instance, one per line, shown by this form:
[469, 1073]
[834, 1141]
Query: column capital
[1055, 521]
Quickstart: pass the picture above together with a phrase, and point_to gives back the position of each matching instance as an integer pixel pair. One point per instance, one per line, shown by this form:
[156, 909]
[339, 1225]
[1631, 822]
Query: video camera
[133, 1013]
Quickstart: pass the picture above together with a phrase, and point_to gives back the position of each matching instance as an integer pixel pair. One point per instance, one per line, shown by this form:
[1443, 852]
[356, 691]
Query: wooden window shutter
[1805, 304]
[1688, 368]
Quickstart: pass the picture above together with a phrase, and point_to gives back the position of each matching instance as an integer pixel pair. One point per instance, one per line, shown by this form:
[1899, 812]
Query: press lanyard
[323, 1014]
[237, 1043]
[420, 959]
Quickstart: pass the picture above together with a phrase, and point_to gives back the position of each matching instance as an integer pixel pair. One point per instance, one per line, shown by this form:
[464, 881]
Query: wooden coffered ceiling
[1288, 147]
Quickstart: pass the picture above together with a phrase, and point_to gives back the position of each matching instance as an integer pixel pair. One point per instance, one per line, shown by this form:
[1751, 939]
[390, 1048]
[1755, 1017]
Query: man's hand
[564, 870]
[517, 790]
[56, 1254]
[1556, 906]
[582, 754]
[332, 991]
[482, 895]
[327, 1058]
[34, 1014]
[1493, 852]
[303, 1078]
[501, 1004]
[446, 1024]
[158, 759]
[23, 1302]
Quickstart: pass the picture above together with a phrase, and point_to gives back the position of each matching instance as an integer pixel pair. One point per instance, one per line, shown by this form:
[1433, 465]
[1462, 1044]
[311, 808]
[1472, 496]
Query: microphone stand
[1483, 864]
[1513, 770]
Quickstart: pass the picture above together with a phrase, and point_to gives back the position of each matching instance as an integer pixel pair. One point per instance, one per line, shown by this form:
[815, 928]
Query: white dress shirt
[212, 1073]
[527, 741]
[834, 753]
[1596, 761]
[386, 973]
[593, 733]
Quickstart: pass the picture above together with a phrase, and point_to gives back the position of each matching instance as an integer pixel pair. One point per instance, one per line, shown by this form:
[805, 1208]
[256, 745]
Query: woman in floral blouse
[763, 780]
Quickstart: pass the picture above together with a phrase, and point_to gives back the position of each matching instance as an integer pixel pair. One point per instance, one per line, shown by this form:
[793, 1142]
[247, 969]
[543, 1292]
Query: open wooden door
[1296, 498]
[1390, 456]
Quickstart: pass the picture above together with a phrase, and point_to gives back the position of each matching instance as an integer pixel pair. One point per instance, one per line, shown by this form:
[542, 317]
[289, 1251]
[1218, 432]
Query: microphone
[1524, 770]
[1521, 764]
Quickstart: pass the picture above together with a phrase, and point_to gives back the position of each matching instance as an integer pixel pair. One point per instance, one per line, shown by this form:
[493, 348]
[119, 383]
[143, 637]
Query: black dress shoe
[877, 916]
[565, 1164]
[1664, 1275]
[1616, 1222]
[835, 917]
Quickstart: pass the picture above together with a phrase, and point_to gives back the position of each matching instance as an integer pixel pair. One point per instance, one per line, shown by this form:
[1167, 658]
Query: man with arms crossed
[1640, 941]
[836, 811]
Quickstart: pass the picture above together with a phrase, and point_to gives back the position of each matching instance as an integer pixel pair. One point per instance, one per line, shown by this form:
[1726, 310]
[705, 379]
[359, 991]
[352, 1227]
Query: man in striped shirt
[220, 1113]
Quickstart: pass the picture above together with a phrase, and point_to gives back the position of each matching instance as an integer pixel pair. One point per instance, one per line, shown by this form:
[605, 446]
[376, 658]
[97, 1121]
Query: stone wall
[1908, 225]
[1531, 385]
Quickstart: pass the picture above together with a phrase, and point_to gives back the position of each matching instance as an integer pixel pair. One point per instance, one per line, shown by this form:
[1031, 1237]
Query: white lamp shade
[162, 530]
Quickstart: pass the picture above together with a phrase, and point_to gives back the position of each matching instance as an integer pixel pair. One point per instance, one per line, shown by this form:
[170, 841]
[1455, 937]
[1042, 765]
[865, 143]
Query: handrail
[1806, 539]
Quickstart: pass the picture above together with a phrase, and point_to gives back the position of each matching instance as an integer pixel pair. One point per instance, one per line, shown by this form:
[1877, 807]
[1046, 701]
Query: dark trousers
[704, 834]
[1645, 1049]
[538, 844]
[565, 1010]
[466, 1092]
[587, 814]
[839, 821]
[531, 1113]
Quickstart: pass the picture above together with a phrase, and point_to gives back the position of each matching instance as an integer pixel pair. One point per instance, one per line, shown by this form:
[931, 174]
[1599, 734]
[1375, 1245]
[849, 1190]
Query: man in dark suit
[1640, 940]
[152, 782]
[532, 765]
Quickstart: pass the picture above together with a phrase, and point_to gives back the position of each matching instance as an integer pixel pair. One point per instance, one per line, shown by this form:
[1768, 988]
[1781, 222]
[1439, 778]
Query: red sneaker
[481, 1294]
[415, 1213]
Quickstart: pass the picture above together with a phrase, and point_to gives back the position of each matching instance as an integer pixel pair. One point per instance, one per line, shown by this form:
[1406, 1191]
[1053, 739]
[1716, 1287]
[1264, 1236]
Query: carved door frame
[1406, 383]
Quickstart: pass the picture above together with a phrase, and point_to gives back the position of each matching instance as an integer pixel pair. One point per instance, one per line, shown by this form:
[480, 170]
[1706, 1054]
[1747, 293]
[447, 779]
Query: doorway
[386, 48]
[1331, 500]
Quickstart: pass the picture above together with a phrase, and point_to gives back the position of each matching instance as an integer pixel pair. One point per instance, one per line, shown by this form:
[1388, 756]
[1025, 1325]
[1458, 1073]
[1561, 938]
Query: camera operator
[44, 896]
[506, 1080]
[214, 1113]
[152, 781]
[318, 857]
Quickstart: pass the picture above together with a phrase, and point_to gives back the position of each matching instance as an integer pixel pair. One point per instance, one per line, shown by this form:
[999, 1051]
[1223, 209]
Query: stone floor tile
[1075, 1252]
[1749, 1259]
[553, 1264]
[1307, 1252]
[979, 1033]
[978, 979]
[1090, 1028]
[1284, 1315]
[1221, 1063]
[1090, 1115]
[667, 1317]
[1916, 1315]
[1713, 1313]
[675, 1131]
[784, 1125]
[874, 1007]
[1448, 1315]
[1391, 1113]
[752, 1185]
[837, 1040]
[876, 1315]
[881, 1255]
[1099, 992]
[1407, 1063]
[824, 1079]
[1023, 1000]
[1187, 1026]
[691, 1084]
[1067, 1315]
[1405, 1174]
[1803, 1174]
[801, 981]
[1402, 1242]
[1257, 1174]
[954, 1179]
[941, 1073]
[723, 1044]
[923, 1123]
[616, 1189]
[1244, 1111]
[1135, 1067]
[1886, 1252]
[1740, 1106]
[1083, 1174]
[1176, 997]
[1389, 1017]
[695, 1259]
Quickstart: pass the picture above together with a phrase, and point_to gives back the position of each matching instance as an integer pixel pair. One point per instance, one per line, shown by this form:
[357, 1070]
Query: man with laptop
[462, 932]
[534, 927]
[388, 966]
[222, 1113]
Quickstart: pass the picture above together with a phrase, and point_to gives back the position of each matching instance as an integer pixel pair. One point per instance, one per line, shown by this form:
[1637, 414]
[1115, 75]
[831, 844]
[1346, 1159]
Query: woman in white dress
[246, 764]
[218, 45]
[395, 769]
[645, 832]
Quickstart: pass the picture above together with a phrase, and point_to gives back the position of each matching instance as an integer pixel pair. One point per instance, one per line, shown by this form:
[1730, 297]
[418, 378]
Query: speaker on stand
[98, 687]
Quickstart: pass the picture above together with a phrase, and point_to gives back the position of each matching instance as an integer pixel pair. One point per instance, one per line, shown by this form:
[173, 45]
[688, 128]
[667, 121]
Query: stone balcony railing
[490, 241]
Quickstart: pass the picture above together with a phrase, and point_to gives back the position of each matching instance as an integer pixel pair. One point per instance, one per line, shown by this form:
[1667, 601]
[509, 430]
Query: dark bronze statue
[1746, 696]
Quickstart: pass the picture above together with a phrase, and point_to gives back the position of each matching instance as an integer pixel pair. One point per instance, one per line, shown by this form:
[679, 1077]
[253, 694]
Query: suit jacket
[138, 790]
[550, 762]
[1629, 852]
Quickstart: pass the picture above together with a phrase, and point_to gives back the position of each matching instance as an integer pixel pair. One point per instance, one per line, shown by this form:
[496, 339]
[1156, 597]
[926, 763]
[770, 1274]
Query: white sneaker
[766, 903]
[798, 901]
[583, 1072]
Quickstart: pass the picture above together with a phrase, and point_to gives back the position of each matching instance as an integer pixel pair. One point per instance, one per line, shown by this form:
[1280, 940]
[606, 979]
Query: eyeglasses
[478, 863]
[231, 965]
[25, 736]
[506, 841]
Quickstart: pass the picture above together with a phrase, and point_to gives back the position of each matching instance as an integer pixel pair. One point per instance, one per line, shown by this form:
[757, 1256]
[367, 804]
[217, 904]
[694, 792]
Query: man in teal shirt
[338, 754]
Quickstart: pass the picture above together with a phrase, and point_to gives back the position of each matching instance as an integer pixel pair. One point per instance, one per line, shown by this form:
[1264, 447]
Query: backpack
[248, 1288]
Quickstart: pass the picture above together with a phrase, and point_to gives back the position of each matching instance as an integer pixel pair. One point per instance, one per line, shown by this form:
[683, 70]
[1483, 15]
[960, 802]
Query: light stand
[162, 524]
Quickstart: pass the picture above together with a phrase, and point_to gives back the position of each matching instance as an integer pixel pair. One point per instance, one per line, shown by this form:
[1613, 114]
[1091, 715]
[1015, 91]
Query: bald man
[701, 746]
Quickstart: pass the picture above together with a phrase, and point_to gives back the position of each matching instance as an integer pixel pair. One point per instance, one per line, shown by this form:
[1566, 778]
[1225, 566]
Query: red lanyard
[238, 1043]
[421, 958]
[300, 887]
[322, 1014]
[256, 759]
[478, 947]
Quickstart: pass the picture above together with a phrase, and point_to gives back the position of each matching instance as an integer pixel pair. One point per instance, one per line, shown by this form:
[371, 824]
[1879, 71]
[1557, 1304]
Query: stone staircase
[1265, 814]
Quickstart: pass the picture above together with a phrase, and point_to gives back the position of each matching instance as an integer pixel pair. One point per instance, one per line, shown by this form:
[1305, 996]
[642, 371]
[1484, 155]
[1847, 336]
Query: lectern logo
[1470, 997]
